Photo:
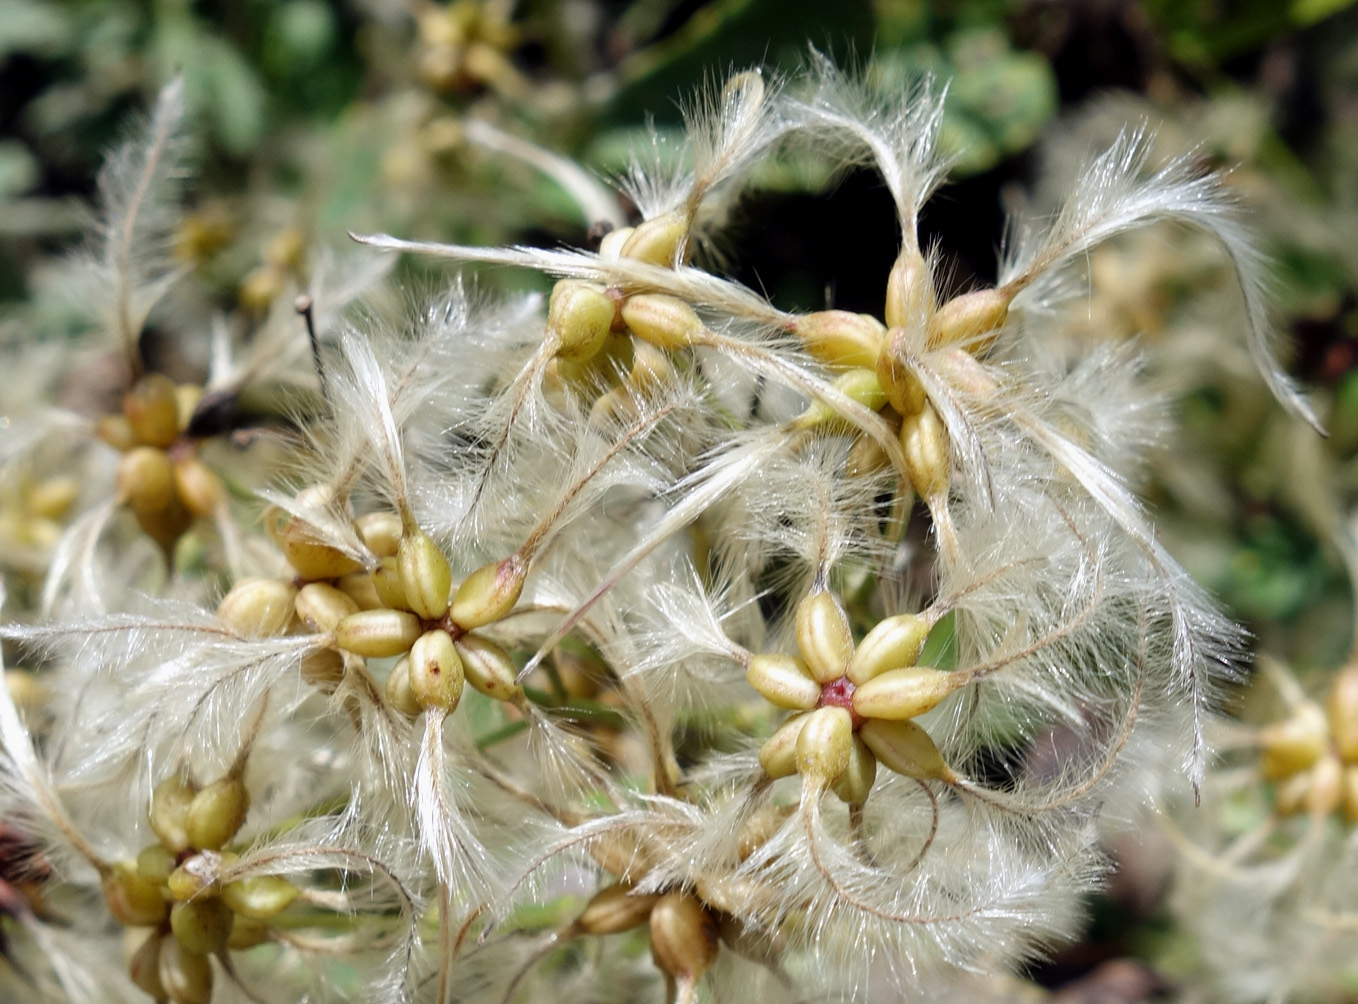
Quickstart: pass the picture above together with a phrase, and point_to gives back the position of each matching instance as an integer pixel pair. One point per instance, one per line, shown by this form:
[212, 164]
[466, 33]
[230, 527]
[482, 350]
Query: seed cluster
[668, 470]
[855, 704]
[177, 887]
[1312, 755]
[404, 607]
[160, 477]
[32, 513]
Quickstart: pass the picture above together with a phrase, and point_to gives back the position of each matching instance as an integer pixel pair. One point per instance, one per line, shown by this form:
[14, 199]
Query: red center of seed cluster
[839, 694]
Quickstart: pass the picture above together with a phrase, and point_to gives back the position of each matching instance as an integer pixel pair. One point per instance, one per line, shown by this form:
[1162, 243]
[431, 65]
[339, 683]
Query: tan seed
[488, 668]
[892, 643]
[899, 694]
[784, 681]
[436, 675]
[684, 937]
[823, 636]
[489, 593]
[616, 909]
[426, 577]
[824, 745]
[152, 409]
[907, 749]
[378, 633]
[186, 976]
[258, 608]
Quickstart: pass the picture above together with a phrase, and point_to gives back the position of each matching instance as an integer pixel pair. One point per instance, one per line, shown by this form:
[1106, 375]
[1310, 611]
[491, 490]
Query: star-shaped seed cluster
[855, 703]
[1313, 753]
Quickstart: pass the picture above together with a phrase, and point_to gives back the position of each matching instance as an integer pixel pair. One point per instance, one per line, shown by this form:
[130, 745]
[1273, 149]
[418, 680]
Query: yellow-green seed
[200, 489]
[169, 816]
[579, 318]
[399, 694]
[198, 874]
[259, 897]
[909, 292]
[201, 925]
[1295, 743]
[155, 864]
[52, 498]
[842, 339]
[380, 532]
[1341, 708]
[650, 368]
[1350, 793]
[306, 551]
[217, 813]
[116, 431]
[187, 398]
[855, 784]
[903, 390]
[925, 442]
[186, 976]
[1327, 787]
[824, 745]
[426, 577]
[359, 587]
[146, 480]
[858, 385]
[246, 932]
[386, 580]
[1292, 794]
[966, 318]
[610, 248]
[667, 322]
[131, 899]
[778, 755]
[658, 241]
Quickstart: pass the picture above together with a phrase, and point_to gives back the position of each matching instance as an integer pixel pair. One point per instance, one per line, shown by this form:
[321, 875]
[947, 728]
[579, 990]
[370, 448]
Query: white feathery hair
[1117, 194]
[853, 124]
[127, 264]
[728, 128]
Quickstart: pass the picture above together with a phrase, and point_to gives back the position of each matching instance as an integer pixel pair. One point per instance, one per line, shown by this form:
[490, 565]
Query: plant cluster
[484, 659]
